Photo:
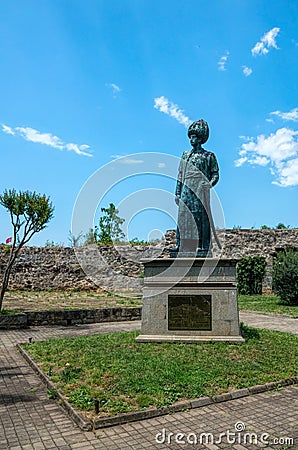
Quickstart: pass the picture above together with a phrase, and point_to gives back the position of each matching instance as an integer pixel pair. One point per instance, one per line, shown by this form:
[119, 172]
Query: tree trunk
[6, 275]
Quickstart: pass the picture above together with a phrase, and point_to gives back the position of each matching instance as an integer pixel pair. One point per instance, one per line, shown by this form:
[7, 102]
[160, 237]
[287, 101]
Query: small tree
[109, 228]
[285, 276]
[29, 214]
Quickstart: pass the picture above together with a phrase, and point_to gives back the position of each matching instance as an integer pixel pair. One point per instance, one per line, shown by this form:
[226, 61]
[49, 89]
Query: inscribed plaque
[189, 312]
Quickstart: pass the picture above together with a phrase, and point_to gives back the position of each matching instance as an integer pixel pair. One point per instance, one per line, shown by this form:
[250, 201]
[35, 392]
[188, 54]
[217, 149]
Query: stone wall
[239, 243]
[68, 317]
[57, 268]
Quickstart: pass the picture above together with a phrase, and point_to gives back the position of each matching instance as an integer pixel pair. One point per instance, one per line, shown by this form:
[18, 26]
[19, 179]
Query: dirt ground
[52, 300]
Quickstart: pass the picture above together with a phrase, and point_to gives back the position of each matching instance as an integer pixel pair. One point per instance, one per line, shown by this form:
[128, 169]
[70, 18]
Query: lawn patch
[266, 304]
[127, 376]
[21, 301]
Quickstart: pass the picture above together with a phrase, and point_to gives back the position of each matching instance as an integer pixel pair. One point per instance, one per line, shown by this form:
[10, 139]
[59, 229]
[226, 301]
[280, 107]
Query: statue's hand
[177, 199]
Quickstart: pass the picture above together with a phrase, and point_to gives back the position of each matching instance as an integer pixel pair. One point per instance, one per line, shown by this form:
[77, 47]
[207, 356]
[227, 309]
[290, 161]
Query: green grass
[125, 375]
[7, 312]
[266, 304]
[21, 301]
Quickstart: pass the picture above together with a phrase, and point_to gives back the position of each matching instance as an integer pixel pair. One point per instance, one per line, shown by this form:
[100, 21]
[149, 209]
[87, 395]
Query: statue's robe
[195, 167]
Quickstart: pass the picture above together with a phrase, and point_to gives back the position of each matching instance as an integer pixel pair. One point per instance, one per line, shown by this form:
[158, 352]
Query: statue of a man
[198, 173]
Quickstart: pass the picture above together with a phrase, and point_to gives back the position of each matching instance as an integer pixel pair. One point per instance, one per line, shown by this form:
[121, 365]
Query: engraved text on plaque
[189, 312]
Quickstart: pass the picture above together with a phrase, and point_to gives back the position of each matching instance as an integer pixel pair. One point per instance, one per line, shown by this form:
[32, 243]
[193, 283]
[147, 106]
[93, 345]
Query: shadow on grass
[249, 333]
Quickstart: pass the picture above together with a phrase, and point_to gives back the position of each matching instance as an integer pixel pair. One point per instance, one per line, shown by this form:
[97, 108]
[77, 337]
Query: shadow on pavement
[11, 399]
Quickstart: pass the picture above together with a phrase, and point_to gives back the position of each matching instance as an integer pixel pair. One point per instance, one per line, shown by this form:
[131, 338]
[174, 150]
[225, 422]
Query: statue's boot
[203, 253]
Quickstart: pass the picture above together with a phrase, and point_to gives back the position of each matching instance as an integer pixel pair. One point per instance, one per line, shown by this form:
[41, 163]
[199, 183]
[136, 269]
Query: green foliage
[70, 373]
[137, 241]
[282, 226]
[6, 249]
[52, 394]
[109, 229]
[29, 213]
[49, 243]
[6, 312]
[285, 276]
[250, 274]
[90, 237]
[171, 394]
[82, 398]
[265, 227]
[75, 241]
[29, 209]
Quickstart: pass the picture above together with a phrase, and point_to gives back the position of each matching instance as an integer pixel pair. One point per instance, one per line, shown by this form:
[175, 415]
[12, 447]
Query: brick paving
[29, 420]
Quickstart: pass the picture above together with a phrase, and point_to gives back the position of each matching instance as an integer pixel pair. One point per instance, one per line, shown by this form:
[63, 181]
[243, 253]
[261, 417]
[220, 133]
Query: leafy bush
[250, 274]
[285, 276]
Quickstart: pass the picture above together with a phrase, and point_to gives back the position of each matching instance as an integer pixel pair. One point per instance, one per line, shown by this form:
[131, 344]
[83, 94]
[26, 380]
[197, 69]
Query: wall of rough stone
[120, 268]
[58, 268]
[240, 243]
[69, 317]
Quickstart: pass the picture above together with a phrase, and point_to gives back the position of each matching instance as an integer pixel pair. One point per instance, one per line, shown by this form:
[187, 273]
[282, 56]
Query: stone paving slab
[29, 420]
[276, 322]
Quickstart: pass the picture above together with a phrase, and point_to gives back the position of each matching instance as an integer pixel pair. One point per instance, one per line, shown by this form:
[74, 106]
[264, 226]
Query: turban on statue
[200, 129]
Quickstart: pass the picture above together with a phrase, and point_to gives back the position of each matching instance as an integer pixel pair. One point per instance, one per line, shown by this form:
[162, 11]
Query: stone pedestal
[190, 300]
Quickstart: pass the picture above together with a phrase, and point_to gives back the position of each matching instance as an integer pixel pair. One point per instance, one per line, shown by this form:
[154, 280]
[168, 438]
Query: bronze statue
[198, 173]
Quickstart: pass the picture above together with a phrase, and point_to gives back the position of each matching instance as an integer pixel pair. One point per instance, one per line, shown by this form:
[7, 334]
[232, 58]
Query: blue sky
[84, 82]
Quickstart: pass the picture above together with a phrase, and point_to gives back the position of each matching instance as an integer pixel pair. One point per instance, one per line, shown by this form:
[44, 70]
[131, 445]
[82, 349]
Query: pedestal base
[190, 300]
[188, 339]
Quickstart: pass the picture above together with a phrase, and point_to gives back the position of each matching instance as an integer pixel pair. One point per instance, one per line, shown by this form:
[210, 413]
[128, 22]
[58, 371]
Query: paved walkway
[29, 420]
[276, 322]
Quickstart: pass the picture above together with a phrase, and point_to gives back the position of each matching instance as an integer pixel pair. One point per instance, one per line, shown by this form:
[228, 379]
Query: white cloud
[291, 115]
[32, 135]
[247, 71]
[288, 175]
[127, 160]
[6, 129]
[279, 150]
[131, 161]
[267, 41]
[79, 149]
[115, 88]
[239, 162]
[167, 107]
[222, 62]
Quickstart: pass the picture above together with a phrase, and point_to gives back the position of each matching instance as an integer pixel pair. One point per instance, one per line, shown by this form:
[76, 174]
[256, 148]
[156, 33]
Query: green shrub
[285, 276]
[250, 274]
